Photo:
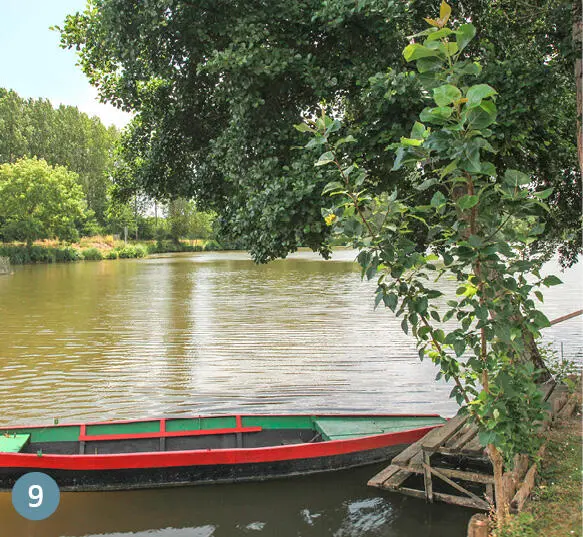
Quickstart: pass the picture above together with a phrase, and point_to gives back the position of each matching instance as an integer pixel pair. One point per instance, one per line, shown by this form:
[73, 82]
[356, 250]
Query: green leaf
[544, 194]
[416, 51]
[303, 127]
[446, 94]
[405, 326]
[459, 347]
[464, 35]
[419, 132]
[468, 201]
[477, 93]
[325, 158]
[425, 65]
[439, 34]
[411, 141]
[438, 114]
[346, 140]
[391, 300]
[481, 116]
[539, 295]
[333, 186]
[516, 178]
[552, 280]
[487, 437]
[438, 200]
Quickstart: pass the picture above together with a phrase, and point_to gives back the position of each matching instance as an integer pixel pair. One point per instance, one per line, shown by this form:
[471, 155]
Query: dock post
[478, 526]
[427, 476]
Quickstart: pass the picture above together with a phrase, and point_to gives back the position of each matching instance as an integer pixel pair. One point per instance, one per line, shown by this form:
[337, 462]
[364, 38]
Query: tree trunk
[578, 43]
[502, 503]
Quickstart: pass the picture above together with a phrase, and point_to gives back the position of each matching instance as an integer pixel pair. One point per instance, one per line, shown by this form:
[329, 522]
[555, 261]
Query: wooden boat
[203, 449]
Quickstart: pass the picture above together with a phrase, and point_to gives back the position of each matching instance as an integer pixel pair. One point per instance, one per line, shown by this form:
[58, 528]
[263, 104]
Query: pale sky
[33, 64]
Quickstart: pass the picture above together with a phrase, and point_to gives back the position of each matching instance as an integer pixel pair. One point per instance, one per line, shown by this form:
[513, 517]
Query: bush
[211, 246]
[21, 255]
[130, 251]
[92, 254]
[67, 255]
[112, 254]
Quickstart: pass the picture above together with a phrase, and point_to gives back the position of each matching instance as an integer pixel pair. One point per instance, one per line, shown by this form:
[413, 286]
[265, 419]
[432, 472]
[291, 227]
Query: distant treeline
[32, 131]
[62, 136]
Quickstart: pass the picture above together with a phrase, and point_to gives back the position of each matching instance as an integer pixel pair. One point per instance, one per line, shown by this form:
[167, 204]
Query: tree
[185, 221]
[481, 221]
[63, 136]
[38, 201]
[216, 85]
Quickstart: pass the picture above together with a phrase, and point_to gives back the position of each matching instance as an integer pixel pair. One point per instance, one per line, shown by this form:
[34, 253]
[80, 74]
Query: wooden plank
[416, 463]
[383, 476]
[526, 488]
[443, 433]
[396, 480]
[456, 437]
[427, 476]
[403, 458]
[455, 485]
[466, 438]
[446, 498]
[473, 447]
[566, 317]
[474, 477]
[390, 478]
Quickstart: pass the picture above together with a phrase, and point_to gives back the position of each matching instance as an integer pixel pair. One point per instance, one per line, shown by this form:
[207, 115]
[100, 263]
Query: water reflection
[213, 332]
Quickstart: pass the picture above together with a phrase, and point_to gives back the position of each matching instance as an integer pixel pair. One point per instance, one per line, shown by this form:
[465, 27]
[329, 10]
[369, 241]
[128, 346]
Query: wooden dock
[452, 458]
[456, 438]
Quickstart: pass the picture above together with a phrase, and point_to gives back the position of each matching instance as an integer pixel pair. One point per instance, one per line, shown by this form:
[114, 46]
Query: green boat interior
[220, 432]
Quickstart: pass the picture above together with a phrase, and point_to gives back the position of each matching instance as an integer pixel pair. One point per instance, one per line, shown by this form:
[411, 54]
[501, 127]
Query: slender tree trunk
[578, 42]
[500, 493]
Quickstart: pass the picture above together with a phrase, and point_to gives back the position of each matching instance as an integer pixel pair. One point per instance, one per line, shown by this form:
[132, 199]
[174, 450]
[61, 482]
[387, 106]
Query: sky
[33, 64]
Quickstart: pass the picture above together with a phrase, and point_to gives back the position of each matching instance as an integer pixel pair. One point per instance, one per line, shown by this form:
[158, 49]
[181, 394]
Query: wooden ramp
[457, 437]
[456, 440]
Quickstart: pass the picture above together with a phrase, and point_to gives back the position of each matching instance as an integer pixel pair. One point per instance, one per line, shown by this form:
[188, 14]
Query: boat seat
[344, 429]
[13, 443]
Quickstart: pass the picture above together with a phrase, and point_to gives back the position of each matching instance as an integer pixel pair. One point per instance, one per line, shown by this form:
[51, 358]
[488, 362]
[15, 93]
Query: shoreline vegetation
[554, 508]
[97, 248]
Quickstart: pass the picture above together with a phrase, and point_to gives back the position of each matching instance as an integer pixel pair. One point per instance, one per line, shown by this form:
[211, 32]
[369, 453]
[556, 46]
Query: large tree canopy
[217, 85]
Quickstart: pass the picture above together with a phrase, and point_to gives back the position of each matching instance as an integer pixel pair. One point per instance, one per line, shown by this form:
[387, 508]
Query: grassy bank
[96, 249]
[555, 507]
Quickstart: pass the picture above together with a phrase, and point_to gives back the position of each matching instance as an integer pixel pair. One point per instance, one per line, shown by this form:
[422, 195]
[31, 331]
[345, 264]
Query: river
[215, 333]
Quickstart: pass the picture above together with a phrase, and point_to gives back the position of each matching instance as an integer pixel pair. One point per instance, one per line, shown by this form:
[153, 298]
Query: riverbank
[554, 509]
[96, 249]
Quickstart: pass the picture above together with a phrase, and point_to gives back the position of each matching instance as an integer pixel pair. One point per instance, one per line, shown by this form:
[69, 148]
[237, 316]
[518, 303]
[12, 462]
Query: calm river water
[215, 333]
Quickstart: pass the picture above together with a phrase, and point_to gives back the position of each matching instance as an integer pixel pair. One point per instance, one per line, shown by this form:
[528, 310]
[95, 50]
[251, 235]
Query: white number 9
[35, 493]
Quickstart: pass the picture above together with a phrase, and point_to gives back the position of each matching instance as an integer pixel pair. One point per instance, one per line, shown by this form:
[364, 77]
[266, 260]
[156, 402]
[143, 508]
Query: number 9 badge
[35, 496]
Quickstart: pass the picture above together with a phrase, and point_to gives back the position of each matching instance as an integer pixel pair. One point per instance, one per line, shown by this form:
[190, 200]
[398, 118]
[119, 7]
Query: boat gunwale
[204, 416]
[207, 457]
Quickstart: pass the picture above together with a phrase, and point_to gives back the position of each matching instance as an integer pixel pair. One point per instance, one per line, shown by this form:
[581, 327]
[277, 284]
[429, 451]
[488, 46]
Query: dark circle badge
[35, 496]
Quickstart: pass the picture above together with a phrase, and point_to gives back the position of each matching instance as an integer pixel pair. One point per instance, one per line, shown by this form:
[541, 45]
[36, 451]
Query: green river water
[215, 333]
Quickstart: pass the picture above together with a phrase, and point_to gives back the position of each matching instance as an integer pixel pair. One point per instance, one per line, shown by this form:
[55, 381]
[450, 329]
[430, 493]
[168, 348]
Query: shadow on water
[337, 504]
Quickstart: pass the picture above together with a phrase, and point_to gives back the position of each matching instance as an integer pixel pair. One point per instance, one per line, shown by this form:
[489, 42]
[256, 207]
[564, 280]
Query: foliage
[558, 490]
[39, 201]
[559, 367]
[112, 254]
[92, 254]
[215, 88]
[61, 136]
[21, 255]
[183, 220]
[480, 223]
[131, 251]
